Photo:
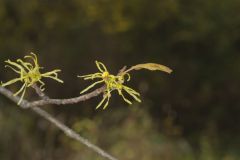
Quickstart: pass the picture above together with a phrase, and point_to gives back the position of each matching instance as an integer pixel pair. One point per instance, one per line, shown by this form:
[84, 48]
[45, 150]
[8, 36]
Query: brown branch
[75, 100]
[68, 131]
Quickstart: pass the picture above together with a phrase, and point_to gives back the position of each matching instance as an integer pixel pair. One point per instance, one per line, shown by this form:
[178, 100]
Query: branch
[47, 101]
[68, 131]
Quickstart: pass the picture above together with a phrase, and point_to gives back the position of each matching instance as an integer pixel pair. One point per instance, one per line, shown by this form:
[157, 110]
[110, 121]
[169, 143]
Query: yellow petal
[26, 64]
[15, 64]
[20, 90]
[13, 69]
[53, 75]
[22, 96]
[91, 86]
[106, 104]
[101, 66]
[11, 82]
[99, 105]
[125, 99]
[34, 58]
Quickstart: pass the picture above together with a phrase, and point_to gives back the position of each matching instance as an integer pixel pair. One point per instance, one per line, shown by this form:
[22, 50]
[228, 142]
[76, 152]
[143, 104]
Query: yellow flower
[112, 83]
[29, 74]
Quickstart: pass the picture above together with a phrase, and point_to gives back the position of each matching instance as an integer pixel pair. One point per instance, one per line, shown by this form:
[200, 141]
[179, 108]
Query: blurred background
[192, 114]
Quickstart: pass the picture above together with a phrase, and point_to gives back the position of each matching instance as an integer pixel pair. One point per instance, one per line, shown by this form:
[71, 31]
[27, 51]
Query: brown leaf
[151, 67]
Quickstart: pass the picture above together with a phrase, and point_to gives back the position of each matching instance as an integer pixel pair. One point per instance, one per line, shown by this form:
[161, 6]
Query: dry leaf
[151, 66]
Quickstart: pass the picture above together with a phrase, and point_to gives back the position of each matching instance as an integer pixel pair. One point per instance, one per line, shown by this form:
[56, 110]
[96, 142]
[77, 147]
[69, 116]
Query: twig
[68, 131]
[81, 98]
[40, 92]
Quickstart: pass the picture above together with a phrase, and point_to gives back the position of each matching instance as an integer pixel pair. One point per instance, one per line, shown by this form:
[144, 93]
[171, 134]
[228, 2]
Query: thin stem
[67, 101]
[40, 92]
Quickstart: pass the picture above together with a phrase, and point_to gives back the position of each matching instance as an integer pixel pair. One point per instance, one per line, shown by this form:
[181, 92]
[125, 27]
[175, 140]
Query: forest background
[191, 114]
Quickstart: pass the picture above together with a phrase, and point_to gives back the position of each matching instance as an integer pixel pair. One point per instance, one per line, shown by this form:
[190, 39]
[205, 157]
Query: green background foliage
[191, 114]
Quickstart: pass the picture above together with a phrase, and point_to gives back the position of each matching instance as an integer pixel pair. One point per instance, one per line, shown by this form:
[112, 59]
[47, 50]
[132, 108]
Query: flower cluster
[112, 83]
[116, 82]
[29, 74]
